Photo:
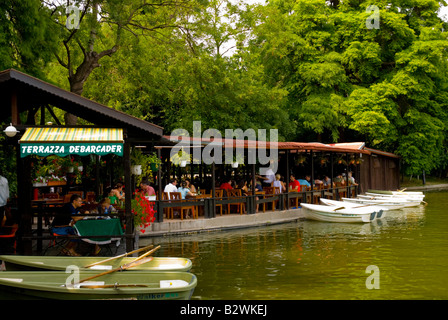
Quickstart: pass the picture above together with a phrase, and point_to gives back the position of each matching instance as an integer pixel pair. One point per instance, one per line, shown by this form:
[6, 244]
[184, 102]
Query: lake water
[407, 251]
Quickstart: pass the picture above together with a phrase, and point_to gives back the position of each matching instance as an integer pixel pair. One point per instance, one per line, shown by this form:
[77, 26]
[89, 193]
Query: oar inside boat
[140, 260]
[119, 256]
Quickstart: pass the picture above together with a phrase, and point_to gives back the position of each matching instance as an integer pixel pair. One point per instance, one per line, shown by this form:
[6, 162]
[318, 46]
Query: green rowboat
[58, 263]
[139, 285]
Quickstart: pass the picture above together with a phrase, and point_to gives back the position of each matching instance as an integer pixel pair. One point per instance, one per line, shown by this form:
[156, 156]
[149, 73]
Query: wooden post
[128, 191]
[159, 189]
[15, 117]
[213, 190]
[287, 179]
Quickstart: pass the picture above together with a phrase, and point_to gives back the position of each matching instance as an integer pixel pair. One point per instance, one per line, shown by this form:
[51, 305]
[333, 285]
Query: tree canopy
[329, 71]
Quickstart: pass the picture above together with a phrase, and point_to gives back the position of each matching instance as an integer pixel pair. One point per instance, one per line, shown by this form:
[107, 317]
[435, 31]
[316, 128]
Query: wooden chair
[218, 196]
[177, 197]
[269, 192]
[317, 193]
[342, 189]
[51, 195]
[67, 198]
[294, 202]
[90, 196]
[236, 194]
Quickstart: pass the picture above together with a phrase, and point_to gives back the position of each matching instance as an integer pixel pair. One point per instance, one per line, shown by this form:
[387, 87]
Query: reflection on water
[320, 260]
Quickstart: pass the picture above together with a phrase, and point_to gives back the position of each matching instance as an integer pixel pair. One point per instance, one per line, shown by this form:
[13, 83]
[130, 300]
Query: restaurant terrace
[112, 135]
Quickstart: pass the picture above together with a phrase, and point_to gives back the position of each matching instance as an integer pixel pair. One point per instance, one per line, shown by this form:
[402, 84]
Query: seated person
[294, 185]
[227, 184]
[63, 221]
[171, 187]
[146, 189]
[104, 207]
[190, 186]
[279, 183]
[184, 191]
[351, 179]
[327, 181]
[242, 184]
[118, 191]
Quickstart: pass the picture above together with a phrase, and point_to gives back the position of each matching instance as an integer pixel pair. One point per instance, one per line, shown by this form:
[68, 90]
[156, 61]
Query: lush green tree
[191, 79]
[91, 30]
[384, 83]
[24, 32]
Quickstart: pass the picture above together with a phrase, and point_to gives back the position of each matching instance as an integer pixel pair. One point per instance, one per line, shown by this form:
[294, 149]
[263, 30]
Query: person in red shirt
[226, 185]
[294, 185]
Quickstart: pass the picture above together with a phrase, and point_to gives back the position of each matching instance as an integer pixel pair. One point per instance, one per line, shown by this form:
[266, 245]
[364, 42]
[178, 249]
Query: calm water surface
[319, 260]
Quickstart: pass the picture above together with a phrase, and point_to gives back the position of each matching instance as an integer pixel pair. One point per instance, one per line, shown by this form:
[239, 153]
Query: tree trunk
[78, 78]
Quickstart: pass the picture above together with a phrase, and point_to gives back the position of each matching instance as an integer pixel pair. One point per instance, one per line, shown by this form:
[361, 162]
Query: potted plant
[154, 161]
[237, 160]
[143, 211]
[181, 158]
[137, 160]
[300, 160]
[323, 160]
[341, 160]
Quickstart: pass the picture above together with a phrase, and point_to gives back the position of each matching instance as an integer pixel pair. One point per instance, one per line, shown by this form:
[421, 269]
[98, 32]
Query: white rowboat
[341, 214]
[339, 204]
[391, 196]
[409, 193]
[390, 203]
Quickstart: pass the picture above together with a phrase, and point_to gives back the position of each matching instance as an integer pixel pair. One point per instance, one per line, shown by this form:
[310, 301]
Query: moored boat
[390, 203]
[341, 214]
[57, 263]
[338, 204]
[118, 285]
[396, 192]
[393, 196]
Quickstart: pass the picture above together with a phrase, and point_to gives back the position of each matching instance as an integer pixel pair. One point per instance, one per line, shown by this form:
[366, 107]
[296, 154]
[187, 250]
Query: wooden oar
[147, 253]
[367, 205]
[136, 262]
[105, 286]
[129, 265]
[119, 256]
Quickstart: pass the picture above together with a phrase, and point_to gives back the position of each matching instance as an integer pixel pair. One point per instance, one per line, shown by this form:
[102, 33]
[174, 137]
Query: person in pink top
[146, 189]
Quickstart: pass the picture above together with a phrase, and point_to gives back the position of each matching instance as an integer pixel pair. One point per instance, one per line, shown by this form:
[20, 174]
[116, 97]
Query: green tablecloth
[101, 227]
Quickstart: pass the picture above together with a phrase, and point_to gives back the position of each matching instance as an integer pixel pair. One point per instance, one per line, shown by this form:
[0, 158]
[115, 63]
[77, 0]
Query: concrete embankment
[224, 222]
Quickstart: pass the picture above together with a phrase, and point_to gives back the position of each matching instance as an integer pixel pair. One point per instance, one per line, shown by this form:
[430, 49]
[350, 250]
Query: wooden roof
[32, 92]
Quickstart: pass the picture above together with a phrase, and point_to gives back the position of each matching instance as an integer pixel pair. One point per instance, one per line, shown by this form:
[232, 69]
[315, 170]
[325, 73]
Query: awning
[70, 141]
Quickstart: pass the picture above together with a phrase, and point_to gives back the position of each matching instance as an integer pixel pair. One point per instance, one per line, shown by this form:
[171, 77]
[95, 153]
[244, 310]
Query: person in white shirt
[171, 187]
[4, 196]
[269, 178]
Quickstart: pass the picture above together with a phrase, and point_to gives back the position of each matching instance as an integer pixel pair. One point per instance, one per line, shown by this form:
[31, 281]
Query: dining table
[99, 231]
[198, 197]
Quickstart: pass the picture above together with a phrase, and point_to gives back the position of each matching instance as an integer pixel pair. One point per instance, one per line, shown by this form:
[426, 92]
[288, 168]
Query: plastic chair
[8, 235]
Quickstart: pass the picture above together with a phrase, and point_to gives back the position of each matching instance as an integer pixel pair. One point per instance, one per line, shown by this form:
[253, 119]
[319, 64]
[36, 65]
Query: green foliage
[310, 68]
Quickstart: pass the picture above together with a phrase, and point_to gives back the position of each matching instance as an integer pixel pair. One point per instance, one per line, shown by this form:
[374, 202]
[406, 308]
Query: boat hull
[390, 196]
[392, 205]
[396, 192]
[137, 285]
[58, 263]
[346, 215]
[336, 203]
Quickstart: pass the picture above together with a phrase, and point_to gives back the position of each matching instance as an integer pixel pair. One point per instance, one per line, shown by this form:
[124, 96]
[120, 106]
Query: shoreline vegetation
[417, 181]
